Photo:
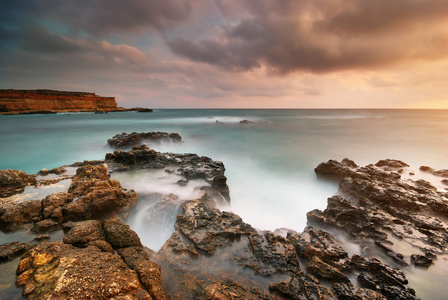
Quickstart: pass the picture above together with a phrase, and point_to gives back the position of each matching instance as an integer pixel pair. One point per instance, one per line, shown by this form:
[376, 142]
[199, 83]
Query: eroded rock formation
[20, 101]
[214, 254]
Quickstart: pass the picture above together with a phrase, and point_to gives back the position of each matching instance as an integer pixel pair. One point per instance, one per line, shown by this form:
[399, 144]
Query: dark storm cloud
[101, 18]
[35, 38]
[104, 17]
[323, 36]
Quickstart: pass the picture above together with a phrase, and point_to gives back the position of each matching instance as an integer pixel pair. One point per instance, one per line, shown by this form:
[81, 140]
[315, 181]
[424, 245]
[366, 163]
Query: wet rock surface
[99, 197]
[189, 166]
[14, 182]
[376, 203]
[12, 250]
[309, 265]
[57, 270]
[213, 254]
[124, 139]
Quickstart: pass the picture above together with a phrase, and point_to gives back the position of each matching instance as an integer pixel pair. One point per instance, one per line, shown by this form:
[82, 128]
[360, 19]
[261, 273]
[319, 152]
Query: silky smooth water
[269, 161]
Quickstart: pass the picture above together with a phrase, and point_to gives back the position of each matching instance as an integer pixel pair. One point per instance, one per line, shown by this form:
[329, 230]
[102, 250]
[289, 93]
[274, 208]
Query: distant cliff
[28, 101]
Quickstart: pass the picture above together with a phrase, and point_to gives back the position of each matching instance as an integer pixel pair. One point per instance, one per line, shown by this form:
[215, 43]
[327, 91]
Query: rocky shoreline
[213, 253]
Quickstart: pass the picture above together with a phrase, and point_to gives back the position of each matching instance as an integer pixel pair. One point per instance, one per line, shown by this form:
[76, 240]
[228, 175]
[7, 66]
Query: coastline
[262, 256]
[43, 101]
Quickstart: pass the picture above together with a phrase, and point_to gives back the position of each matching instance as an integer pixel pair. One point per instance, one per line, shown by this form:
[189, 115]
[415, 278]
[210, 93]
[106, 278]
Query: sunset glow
[231, 54]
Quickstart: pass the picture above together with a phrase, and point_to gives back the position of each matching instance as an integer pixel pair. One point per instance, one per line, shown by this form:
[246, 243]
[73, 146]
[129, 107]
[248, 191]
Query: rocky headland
[53, 101]
[213, 253]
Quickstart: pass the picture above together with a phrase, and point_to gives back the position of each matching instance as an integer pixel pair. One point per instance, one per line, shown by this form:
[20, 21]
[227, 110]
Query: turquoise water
[269, 161]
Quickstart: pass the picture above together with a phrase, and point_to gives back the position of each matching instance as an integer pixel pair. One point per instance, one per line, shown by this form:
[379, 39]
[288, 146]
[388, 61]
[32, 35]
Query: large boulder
[20, 215]
[209, 228]
[56, 270]
[148, 271]
[14, 182]
[52, 206]
[119, 235]
[99, 197]
[81, 233]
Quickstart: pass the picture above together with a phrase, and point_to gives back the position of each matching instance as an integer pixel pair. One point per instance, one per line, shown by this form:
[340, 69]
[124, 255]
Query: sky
[231, 53]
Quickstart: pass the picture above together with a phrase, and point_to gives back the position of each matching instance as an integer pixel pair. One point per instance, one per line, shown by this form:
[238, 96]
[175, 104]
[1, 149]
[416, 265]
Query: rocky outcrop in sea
[213, 253]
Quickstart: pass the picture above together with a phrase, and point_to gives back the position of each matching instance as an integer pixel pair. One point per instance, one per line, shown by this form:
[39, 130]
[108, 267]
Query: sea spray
[160, 196]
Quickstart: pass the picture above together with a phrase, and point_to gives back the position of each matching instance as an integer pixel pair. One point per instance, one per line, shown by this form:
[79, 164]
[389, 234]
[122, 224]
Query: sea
[269, 154]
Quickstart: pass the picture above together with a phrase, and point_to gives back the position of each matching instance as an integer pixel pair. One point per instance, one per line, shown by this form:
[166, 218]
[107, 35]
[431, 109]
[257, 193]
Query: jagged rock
[366, 294]
[380, 202]
[52, 206]
[314, 242]
[302, 286]
[81, 233]
[47, 225]
[56, 270]
[102, 245]
[229, 290]
[344, 291]
[209, 228]
[99, 197]
[11, 250]
[139, 154]
[133, 139]
[14, 181]
[390, 281]
[421, 260]
[441, 173]
[189, 166]
[272, 254]
[57, 171]
[392, 163]
[148, 271]
[119, 235]
[20, 215]
[335, 170]
[367, 281]
[325, 271]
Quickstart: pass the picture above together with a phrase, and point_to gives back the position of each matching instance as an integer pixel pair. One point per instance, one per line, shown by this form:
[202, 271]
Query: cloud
[323, 36]
[102, 18]
[37, 39]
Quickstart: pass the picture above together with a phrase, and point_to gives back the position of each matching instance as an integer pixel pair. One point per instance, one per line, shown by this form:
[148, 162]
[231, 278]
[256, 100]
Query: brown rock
[52, 206]
[20, 101]
[102, 245]
[81, 233]
[99, 197]
[325, 271]
[57, 270]
[119, 235]
[148, 271]
[18, 215]
[392, 163]
[302, 286]
[209, 228]
[11, 250]
[14, 182]
[133, 139]
[47, 225]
